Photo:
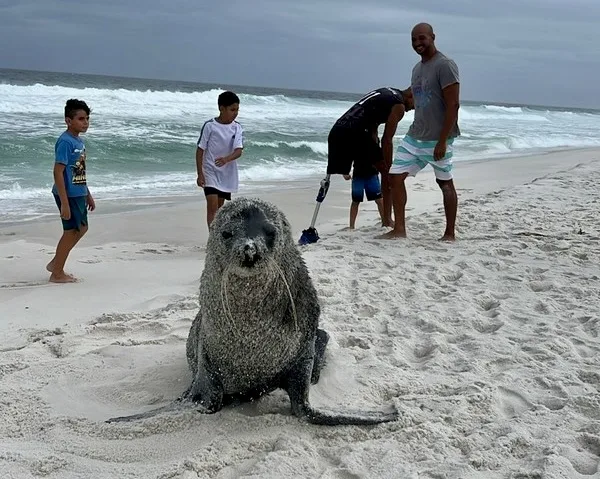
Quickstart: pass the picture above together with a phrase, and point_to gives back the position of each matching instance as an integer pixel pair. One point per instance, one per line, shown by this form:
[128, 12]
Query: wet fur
[257, 326]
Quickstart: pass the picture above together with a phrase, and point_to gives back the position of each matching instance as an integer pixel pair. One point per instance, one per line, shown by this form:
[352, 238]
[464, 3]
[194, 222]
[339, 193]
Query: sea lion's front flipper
[205, 395]
[175, 406]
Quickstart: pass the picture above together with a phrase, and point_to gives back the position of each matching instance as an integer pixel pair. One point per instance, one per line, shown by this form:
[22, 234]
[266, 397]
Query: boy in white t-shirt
[219, 146]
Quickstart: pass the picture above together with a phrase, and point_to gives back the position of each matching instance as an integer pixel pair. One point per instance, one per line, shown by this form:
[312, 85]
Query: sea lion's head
[247, 236]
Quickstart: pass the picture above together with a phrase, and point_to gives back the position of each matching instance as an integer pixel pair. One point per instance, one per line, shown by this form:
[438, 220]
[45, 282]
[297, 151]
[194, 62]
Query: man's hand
[200, 181]
[221, 161]
[347, 177]
[440, 150]
[382, 166]
[91, 204]
[65, 211]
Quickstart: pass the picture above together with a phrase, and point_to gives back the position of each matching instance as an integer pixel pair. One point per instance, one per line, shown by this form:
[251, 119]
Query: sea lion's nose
[250, 250]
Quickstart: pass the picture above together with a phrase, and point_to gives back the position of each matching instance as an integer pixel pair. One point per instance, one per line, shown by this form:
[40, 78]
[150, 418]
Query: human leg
[374, 192]
[406, 163]
[74, 229]
[358, 192]
[443, 177]
[450, 208]
[386, 203]
[381, 209]
[212, 205]
[399, 205]
[353, 214]
[67, 242]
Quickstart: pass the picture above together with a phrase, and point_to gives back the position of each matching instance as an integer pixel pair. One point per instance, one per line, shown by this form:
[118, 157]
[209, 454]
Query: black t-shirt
[372, 109]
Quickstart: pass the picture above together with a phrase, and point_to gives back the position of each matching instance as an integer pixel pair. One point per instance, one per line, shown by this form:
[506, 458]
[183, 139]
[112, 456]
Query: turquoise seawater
[141, 140]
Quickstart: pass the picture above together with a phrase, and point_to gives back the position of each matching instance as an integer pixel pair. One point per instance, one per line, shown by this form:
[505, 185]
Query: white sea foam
[141, 142]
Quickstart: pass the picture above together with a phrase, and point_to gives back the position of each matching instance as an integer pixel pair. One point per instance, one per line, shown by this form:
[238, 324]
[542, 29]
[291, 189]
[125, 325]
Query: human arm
[387, 140]
[450, 84]
[226, 159]
[61, 188]
[91, 204]
[238, 146]
[451, 94]
[199, 158]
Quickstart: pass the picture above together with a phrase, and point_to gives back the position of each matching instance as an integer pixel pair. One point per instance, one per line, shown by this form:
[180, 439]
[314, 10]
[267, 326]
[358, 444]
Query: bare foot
[387, 224]
[50, 269]
[62, 278]
[447, 237]
[348, 228]
[392, 235]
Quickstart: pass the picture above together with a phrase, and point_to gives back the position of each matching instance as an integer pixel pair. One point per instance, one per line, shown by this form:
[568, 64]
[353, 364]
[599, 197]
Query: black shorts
[209, 190]
[347, 145]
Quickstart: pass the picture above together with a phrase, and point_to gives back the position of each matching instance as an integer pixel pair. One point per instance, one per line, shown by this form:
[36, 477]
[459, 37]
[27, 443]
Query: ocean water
[141, 140]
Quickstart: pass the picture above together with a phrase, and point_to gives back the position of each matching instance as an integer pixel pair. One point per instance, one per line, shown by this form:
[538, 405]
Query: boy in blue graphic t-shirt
[70, 187]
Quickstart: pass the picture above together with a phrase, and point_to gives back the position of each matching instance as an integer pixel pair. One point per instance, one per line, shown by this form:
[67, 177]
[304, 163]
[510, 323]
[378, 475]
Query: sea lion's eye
[227, 234]
[270, 231]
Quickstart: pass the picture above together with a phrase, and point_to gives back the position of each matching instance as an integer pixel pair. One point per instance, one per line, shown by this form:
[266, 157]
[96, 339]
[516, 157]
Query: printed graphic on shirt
[79, 176]
[421, 93]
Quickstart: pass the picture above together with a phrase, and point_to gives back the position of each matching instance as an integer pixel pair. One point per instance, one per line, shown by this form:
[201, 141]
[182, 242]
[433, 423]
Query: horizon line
[288, 89]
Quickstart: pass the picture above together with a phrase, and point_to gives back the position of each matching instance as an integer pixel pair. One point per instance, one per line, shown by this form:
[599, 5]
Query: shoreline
[298, 200]
[257, 188]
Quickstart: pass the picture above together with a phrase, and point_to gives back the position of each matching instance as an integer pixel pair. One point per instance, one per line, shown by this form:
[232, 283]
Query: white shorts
[414, 155]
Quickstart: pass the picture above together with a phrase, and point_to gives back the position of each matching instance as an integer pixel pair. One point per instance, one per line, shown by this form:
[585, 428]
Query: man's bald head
[425, 28]
[423, 40]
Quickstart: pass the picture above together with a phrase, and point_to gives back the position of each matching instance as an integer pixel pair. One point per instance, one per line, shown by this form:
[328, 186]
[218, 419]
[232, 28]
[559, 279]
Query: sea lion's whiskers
[277, 268]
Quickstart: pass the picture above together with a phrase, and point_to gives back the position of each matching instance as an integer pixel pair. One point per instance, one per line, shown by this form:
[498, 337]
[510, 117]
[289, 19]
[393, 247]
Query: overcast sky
[522, 51]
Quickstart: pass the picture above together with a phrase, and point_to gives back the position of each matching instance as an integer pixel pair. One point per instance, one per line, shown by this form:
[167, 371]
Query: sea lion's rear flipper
[356, 418]
[297, 385]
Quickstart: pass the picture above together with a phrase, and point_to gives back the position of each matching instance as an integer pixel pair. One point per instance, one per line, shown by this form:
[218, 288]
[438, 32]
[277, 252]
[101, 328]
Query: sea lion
[257, 326]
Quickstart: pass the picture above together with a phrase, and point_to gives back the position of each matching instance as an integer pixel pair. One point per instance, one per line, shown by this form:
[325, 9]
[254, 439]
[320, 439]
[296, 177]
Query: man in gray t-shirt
[435, 88]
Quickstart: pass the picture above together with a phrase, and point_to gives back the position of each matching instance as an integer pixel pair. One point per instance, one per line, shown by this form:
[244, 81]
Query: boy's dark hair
[228, 98]
[73, 105]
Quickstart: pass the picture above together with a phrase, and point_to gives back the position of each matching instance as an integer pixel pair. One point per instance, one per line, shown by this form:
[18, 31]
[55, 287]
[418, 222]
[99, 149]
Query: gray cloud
[529, 51]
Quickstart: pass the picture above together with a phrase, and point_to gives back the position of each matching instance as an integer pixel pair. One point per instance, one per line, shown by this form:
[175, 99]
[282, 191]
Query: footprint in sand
[584, 349]
[541, 308]
[354, 342]
[367, 311]
[9, 368]
[487, 327]
[541, 286]
[590, 377]
[40, 334]
[487, 304]
[584, 462]
[590, 443]
[26, 284]
[512, 403]
[424, 352]
[453, 276]
[588, 405]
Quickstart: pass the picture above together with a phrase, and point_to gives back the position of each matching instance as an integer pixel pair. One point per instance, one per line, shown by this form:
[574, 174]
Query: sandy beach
[488, 347]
